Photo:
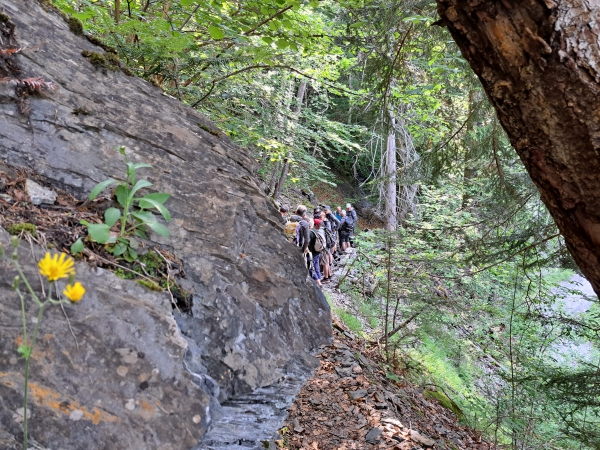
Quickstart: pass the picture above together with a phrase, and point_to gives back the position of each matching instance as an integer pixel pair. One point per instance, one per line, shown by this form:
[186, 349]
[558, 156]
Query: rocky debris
[417, 437]
[247, 329]
[106, 373]
[7, 198]
[38, 194]
[359, 393]
[366, 410]
[373, 436]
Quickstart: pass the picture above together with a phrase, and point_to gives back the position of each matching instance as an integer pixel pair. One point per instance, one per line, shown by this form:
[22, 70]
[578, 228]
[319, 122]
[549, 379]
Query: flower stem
[29, 288]
[29, 355]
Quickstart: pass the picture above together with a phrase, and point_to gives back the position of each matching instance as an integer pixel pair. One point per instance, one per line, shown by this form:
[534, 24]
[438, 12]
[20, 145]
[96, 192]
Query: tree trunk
[539, 62]
[391, 191]
[274, 177]
[286, 163]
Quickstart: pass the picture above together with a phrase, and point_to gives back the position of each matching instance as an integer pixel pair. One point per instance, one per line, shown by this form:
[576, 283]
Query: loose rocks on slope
[349, 404]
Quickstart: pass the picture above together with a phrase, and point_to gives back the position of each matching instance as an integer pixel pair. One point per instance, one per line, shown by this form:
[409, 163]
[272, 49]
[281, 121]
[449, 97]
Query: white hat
[348, 205]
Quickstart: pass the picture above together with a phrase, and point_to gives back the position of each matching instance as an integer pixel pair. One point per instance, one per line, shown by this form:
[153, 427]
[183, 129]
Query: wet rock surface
[256, 317]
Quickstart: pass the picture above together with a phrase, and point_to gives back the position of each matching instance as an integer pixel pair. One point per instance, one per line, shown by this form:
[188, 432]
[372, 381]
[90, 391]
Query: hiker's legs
[325, 260]
[316, 268]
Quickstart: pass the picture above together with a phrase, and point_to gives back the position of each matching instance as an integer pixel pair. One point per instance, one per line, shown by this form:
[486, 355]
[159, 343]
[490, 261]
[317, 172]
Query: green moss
[125, 274]
[18, 228]
[445, 401]
[152, 262]
[75, 26]
[210, 130]
[6, 21]
[104, 61]
[155, 267]
[150, 285]
[107, 48]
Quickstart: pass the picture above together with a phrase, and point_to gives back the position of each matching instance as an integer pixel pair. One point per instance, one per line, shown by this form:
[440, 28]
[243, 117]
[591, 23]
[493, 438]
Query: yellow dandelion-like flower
[74, 292]
[56, 267]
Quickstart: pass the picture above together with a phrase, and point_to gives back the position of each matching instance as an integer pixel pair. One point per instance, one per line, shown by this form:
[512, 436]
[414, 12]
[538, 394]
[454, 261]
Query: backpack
[347, 225]
[296, 240]
[320, 243]
[329, 238]
[290, 230]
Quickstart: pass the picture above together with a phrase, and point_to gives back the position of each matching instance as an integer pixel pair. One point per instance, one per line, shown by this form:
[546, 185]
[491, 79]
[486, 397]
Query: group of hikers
[320, 236]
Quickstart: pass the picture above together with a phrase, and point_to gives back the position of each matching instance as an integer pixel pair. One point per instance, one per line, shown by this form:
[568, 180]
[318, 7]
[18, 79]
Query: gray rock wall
[255, 316]
[105, 374]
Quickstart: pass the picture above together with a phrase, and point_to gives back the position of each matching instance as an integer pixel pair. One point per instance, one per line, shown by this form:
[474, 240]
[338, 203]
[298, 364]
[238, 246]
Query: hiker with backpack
[351, 213]
[298, 228]
[326, 258]
[331, 240]
[316, 245]
[346, 228]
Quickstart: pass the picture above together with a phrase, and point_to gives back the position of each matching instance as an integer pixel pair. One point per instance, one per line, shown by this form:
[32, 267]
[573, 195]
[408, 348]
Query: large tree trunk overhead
[539, 62]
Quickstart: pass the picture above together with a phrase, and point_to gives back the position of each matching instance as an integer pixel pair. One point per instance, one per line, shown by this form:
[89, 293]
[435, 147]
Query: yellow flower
[56, 267]
[74, 292]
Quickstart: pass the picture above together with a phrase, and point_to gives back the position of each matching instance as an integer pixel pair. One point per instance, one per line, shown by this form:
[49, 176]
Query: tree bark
[274, 177]
[539, 62]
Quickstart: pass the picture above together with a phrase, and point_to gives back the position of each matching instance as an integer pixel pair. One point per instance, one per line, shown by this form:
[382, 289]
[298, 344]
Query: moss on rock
[75, 26]
[445, 401]
[104, 61]
[18, 228]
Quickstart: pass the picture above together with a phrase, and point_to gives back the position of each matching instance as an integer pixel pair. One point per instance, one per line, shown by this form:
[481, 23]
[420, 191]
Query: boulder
[38, 194]
[106, 373]
[256, 316]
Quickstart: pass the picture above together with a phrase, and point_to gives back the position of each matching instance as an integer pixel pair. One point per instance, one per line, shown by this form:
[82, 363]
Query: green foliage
[77, 247]
[351, 321]
[134, 215]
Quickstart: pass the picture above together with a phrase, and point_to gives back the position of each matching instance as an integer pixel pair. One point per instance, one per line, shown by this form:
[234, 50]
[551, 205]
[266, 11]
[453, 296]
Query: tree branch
[403, 324]
[268, 19]
[267, 66]
[535, 244]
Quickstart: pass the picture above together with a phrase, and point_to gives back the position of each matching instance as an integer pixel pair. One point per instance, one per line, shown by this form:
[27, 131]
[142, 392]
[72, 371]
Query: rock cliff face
[255, 317]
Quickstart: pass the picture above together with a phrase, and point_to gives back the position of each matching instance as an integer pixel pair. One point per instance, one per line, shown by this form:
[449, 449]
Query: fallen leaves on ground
[350, 404]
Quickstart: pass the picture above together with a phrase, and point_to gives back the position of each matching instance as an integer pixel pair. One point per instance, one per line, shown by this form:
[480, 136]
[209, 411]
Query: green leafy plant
[134, 216]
